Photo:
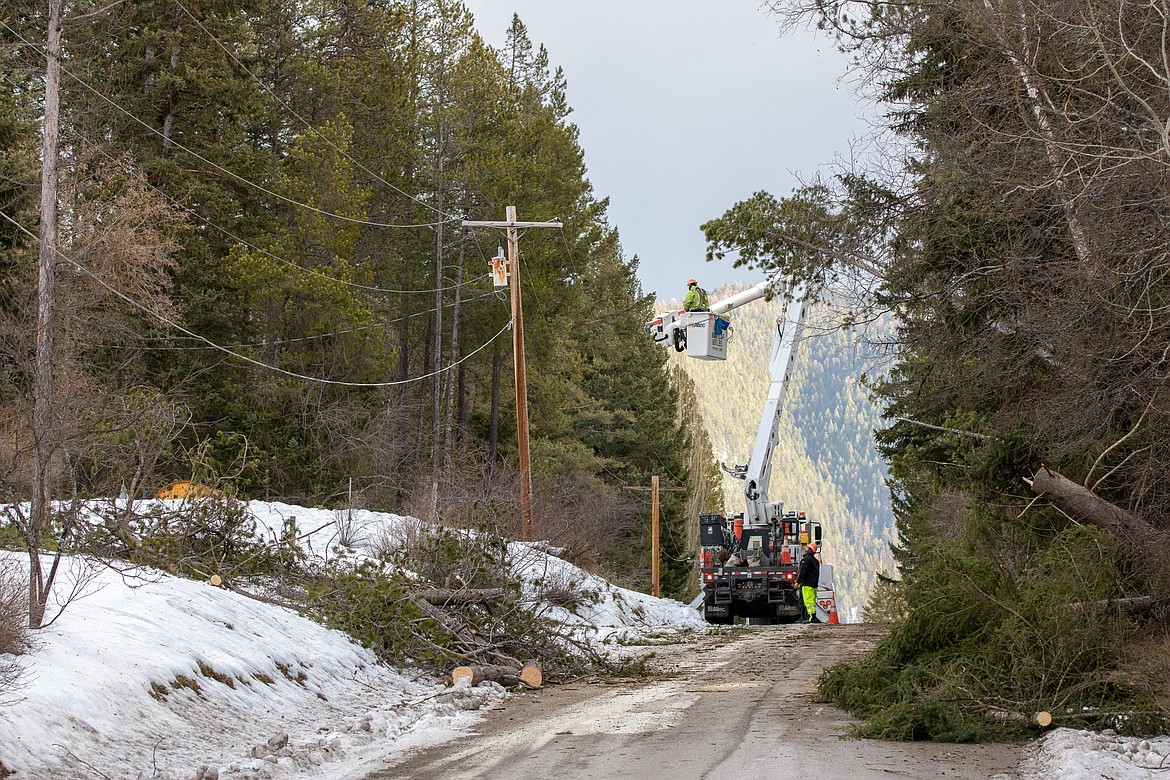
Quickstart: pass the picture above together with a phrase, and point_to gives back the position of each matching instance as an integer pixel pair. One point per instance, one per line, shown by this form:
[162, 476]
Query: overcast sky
[686, 107]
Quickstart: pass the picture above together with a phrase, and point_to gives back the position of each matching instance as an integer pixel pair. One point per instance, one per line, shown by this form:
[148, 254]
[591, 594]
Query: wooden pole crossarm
[556, 223]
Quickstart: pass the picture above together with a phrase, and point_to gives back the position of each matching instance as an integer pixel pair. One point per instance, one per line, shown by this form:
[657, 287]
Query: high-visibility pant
[810, 601]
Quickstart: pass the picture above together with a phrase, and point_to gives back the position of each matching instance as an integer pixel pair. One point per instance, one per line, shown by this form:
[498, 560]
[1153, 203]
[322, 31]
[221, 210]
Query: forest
[1011, 218]
[261, 281]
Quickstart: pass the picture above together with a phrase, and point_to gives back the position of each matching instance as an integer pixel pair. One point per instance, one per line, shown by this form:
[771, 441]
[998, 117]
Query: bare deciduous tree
[14, 632]
[114, 257]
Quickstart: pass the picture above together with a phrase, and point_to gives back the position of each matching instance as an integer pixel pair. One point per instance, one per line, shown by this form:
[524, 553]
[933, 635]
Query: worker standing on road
[807, 579]
[696, 298]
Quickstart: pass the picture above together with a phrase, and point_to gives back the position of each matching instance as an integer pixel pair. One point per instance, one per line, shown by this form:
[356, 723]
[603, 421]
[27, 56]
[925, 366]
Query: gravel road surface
[734, 705]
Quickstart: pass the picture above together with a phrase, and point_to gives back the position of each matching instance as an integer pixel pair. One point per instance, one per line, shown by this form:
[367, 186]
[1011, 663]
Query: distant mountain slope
[825, 462]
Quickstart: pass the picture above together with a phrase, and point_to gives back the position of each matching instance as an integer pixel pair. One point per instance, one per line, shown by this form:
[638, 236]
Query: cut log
[442, 596]
[1006, 716]
[1083, 505]
[1042, 719]
[528, 676]
[531, 676]
[470, 673]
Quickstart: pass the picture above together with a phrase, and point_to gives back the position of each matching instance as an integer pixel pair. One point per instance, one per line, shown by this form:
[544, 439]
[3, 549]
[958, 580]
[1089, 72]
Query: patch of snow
[607, 611]
[1074, 754]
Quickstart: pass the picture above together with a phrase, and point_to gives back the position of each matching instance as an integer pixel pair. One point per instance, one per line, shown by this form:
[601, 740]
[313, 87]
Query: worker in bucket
[696, 298]
[807, 579]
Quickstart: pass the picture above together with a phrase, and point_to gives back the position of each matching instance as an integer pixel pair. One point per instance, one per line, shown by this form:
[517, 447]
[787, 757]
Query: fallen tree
[1083, 505]
[1130, 605]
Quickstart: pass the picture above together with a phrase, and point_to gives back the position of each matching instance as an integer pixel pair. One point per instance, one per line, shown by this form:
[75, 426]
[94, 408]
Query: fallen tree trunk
[444, 596]
[1130, 605]
[1042, 719]
[466, 643]
[1083, 505]
[529, 675]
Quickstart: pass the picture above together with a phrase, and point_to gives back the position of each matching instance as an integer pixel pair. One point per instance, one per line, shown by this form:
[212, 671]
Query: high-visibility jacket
[696, 298]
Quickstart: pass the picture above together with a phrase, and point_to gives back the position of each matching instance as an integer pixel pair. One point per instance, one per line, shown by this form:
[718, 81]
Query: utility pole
[654, 565]
[512, 226]
[655, 569]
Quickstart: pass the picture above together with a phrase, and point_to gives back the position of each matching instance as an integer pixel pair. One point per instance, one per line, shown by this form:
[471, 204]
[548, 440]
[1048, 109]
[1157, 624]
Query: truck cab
[750, 571]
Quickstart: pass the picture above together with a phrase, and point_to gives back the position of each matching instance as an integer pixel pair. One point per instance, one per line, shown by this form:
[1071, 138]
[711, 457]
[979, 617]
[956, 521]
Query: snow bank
[606, 611]
[1071, 754]
[158, 676]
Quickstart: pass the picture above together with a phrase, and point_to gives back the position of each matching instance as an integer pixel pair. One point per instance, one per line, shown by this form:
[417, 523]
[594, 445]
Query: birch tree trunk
[1041, 104]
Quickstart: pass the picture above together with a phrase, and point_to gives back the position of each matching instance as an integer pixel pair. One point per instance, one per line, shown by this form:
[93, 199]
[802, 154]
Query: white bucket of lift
[707, 335]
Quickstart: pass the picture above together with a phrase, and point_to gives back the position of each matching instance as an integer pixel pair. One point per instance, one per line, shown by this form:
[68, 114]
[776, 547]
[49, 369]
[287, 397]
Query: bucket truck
[748, 561]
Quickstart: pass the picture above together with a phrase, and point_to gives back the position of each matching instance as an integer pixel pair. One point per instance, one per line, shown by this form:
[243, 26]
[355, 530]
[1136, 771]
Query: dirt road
[737, 705]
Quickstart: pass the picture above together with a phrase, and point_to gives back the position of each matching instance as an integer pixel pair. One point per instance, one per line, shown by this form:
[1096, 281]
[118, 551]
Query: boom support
[756, 474]
[670, 328]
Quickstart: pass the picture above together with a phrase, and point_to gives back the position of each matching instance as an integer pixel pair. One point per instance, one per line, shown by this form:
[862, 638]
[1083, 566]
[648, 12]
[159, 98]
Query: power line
[278, 258]
[219, 167]
[314, 337]
[569, 252]
[304, 121]
[259, 363]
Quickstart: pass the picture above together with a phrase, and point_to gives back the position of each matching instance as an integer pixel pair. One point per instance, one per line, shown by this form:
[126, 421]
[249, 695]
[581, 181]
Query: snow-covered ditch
[147, 675]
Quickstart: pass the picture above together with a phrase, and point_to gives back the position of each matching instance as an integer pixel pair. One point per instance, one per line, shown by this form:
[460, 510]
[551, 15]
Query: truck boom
[758, 470]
